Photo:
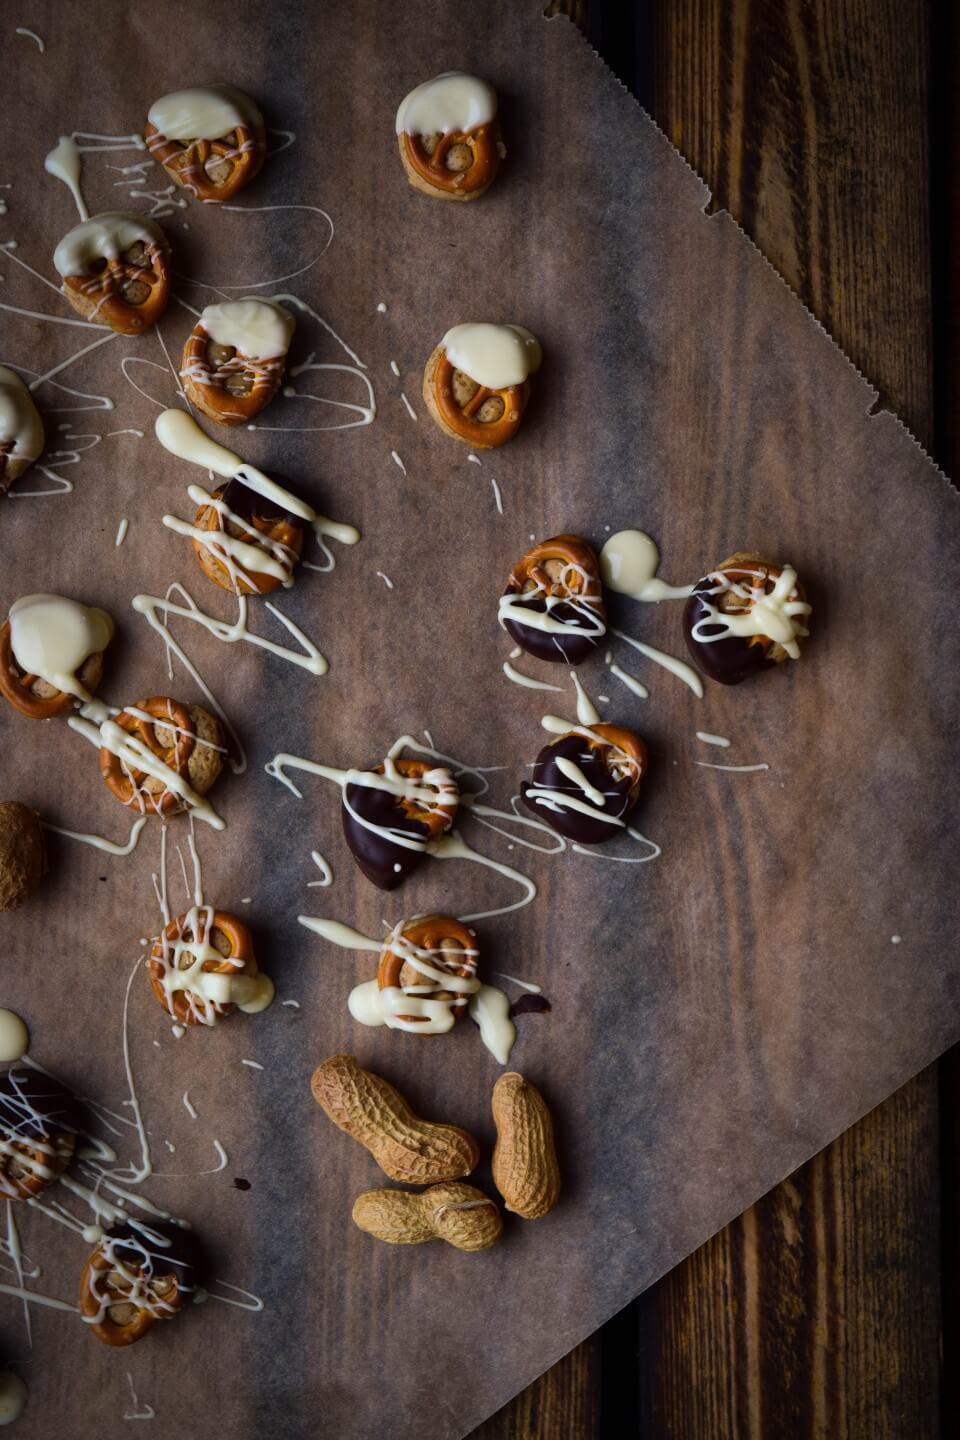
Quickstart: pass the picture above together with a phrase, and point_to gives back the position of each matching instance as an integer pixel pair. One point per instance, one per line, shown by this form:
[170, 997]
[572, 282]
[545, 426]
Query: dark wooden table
[829, 130]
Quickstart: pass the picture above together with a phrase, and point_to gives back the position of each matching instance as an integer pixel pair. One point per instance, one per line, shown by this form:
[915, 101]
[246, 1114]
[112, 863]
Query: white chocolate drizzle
[709, 739]
[448, 102]
[495, 356]
[179, 433]
[676, 667]
[776, 615]
[326, 874]
[31, 35]
[585, 621]
[631, 682]
[518, 678]
[53, 637]
[134, 754]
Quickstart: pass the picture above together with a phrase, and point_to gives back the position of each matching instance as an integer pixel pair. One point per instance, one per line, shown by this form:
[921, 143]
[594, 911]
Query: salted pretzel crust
[427, 932]
[198, 764]
[239, 947]
[243, 149]
[428, 172]
[99, 296]
[215, 400]
[458, 421]
[249, 582]
[115, 1332]
[16, 685]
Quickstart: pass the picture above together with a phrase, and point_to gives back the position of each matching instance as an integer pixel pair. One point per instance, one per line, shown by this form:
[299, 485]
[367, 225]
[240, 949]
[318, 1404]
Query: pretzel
[461, 165]
[225, 384]
[559, 579]
[135, 1277]
[612, 759]
[128, 291]
[33, 696]
[214, 168]
[735, 588]
[179, 948]
[183, 737]
[476, 414]
[450, 946]
[21, 429]
[253, 519]
[38, 1120]
[380, 858]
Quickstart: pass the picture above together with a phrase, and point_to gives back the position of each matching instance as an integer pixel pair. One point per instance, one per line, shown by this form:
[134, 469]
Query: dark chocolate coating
[247, 503]
[574, 824]
[180, 1257]
[34, 1107]
[729, 660]
[374, 853]
[562, 649]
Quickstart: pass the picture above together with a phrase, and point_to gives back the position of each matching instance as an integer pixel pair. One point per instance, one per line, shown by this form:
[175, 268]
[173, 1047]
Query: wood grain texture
[818, 1312]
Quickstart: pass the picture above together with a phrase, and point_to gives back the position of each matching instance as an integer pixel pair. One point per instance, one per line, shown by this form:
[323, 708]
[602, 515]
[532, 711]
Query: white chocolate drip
[429, 1007]
[631, 682]
[64, 162]
[14, 1036]
[53, 637]
[257, 328]
[21, 429]
[451, 101]
[676, 667]
[709, 739]
[208, 112]
[775, 614]
[628, 565]
[518, 678]
[496, 356]
[179, 433]
[105, 237]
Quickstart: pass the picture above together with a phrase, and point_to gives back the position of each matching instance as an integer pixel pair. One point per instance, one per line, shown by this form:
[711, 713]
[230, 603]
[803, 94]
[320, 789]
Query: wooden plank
[817, 1313]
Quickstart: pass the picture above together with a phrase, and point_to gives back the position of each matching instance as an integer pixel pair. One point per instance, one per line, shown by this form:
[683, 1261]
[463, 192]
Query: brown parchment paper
[719, 1014]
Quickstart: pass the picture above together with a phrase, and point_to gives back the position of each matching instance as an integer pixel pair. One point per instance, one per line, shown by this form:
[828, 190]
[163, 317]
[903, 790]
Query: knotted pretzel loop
[210, 169]
[253, 521]
[173, 748]
[476, 414]
[37, 1132]
[129, 292]
[224, 383]
[436, 817]
[179, 947]
[31, 694]
[460, 164]
[130, 1282]
[450, 947]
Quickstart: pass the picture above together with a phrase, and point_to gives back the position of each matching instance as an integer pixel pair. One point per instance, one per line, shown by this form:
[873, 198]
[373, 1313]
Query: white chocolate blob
[105, 237]
[628, 564]
[206, 113]
[14, 1036]
[52, 637]
[452, 101]
[13, 1395]
[20, 423]
[255, 327]
[495, 356]
[777, 614]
